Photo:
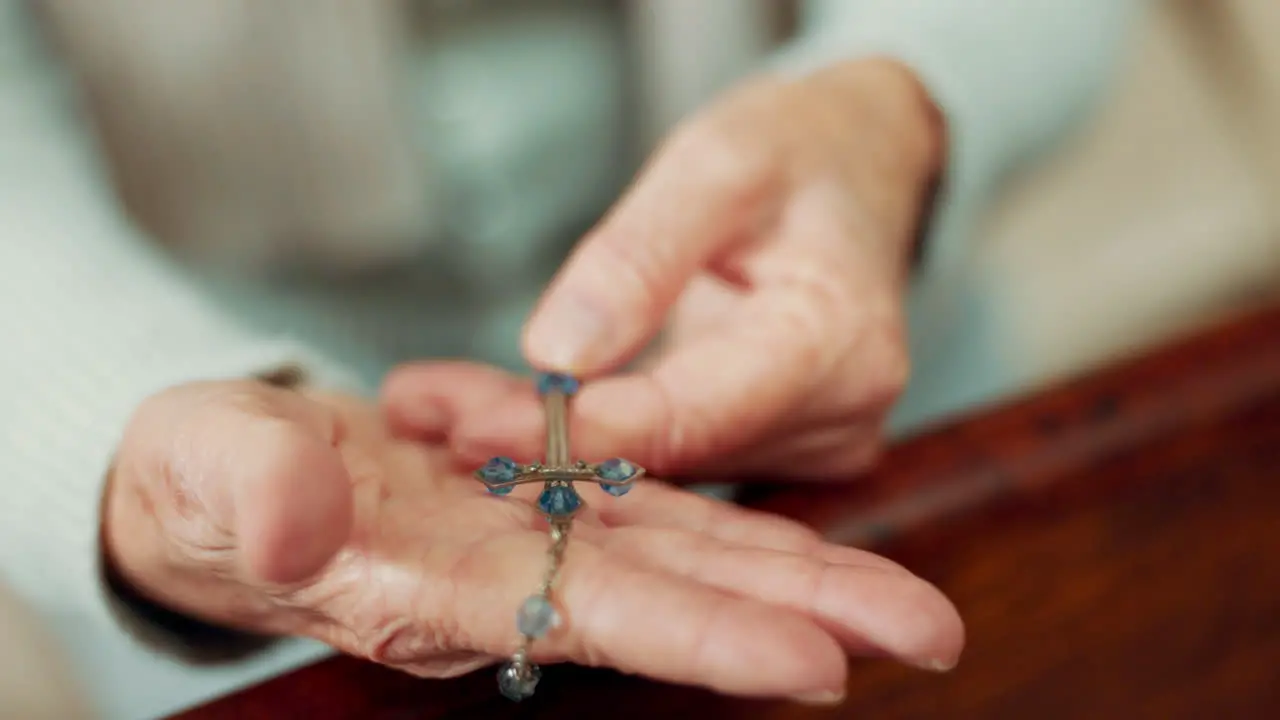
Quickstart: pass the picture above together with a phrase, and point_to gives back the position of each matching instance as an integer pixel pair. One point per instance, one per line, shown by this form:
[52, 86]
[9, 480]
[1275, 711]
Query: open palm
[661, 582]
[302, 514]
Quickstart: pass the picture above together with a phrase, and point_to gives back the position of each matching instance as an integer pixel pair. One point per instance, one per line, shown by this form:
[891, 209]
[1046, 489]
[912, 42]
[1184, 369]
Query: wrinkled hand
[772, 237]
[284, 513]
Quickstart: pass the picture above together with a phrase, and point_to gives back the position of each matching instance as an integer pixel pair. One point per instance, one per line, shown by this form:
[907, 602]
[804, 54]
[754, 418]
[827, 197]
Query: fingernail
[941, 666]
[822, 697]
[565, 333]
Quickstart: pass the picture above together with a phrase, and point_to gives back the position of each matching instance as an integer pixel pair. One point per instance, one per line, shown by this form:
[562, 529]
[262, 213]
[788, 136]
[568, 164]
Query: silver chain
[559, 501]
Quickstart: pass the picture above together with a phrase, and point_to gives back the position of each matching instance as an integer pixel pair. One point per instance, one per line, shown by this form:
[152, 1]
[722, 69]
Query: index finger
[702, 192]
[714, 395]
[726, 388]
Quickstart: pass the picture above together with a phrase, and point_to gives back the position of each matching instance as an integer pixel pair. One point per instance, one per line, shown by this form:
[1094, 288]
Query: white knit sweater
[95, 318]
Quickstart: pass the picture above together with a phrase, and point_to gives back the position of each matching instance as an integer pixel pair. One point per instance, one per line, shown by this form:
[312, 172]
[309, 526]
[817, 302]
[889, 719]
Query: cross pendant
[558, 473]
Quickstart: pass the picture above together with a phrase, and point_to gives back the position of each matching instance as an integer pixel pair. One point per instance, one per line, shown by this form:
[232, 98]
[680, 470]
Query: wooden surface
[1112, 545]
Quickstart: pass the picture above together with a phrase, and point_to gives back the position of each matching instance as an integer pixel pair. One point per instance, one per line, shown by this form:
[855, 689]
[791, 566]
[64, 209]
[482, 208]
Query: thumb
[701, 193]
[262, 464]
[291, 496]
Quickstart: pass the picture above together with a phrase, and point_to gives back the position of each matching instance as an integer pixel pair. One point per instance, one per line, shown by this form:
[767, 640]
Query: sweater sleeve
[92, 320]
[1010, 76]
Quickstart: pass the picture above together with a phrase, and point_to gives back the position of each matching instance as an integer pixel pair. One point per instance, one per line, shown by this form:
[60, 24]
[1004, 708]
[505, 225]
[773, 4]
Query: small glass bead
[537, 617]
[616, 470]
[615, 490]
[497, 471]
[559, 501]
[557, 382]
[518, 681]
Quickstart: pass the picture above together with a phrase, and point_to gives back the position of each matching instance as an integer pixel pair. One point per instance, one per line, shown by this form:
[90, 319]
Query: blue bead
[616, 470]
[559, 501]
[557, 382]
[497, 471]
[616, 490]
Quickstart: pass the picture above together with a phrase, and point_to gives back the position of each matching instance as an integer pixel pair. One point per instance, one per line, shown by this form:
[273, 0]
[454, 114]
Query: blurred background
[1161, 214]
[1162, 200]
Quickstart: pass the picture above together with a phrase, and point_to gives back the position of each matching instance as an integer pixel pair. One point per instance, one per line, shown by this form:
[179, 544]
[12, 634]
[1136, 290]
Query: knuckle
[635, 270]
[682, 434]
[889, 364]
[369, 620]
[718, 153]
[682, 441]
[859, 458]
[397, 641]
[826, 301]
[818, 308]
[874, 367]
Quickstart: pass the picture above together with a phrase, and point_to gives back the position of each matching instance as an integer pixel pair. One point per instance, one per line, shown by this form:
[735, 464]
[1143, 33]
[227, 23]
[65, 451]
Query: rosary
[559, 501]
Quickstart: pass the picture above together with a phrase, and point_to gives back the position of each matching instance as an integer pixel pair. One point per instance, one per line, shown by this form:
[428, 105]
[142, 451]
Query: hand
[285, 513]
[772, 236]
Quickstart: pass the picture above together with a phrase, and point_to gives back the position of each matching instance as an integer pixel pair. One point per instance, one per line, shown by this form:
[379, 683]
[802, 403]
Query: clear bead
[518, 680]
[537, 617]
